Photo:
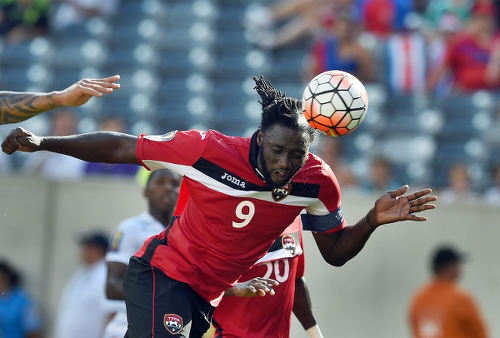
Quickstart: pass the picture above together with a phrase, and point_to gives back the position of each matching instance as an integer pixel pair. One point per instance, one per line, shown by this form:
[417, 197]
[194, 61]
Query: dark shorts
[159, 306]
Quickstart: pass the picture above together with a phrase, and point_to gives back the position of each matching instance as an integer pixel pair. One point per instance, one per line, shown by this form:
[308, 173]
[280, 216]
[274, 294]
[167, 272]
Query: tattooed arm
[17, 107]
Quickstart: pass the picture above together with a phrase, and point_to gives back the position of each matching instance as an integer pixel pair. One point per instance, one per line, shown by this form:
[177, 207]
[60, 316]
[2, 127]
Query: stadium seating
[188, 63]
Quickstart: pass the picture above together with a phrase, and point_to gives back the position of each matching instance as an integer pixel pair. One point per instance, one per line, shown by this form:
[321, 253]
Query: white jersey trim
[314, 206]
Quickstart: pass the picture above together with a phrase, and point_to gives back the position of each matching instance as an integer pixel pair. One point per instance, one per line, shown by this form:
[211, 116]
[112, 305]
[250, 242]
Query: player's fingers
[398, 192]
[113, 78]
[422, 200]
[10, 145]
[419, 194]
[97, 87]
[252, 289]
[263, 286]
[412, 217]
[89, 91]
[422, 208]
[105, 84]
[269, 281]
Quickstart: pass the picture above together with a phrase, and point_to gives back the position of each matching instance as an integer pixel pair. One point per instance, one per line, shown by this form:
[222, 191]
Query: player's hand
[22, 140]
[80, 92]
[254, 287]
[395, 206]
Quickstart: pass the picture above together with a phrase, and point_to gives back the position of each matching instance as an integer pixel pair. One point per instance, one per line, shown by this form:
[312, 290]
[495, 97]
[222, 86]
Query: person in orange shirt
[441, 309]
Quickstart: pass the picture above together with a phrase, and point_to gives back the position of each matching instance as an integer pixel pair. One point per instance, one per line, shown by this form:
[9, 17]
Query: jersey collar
[254, 153]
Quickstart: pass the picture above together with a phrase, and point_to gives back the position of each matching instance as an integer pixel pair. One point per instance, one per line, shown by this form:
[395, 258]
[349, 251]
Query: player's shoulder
[134, 222]
[217, 136]
[315, 170]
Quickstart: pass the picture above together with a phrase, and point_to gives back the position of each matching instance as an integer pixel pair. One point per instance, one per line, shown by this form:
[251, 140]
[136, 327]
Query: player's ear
[260, 138]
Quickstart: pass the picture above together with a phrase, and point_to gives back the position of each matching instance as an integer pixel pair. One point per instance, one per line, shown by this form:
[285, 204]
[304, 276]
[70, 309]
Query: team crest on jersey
[173, 323]
[288, 243]
[165, 137]
[280, 193]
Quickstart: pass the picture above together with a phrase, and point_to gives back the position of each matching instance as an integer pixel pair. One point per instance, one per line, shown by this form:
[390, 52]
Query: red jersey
[232, 216]
[468, 61]
[243, 317]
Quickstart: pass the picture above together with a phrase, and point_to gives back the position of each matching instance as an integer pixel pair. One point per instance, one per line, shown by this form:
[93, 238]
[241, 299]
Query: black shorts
[159, 306]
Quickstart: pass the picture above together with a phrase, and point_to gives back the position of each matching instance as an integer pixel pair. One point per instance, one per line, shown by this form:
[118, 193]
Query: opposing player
[161, 192]
[244, 192]
[17, 107]
[284, 262]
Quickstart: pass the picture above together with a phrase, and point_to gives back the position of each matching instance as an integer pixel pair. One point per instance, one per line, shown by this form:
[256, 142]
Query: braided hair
[277, 108]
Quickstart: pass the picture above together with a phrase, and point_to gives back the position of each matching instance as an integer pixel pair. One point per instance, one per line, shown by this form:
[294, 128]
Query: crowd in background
[424, 49]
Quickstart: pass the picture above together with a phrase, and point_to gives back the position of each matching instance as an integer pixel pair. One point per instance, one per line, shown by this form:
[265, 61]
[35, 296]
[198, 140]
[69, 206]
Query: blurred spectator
[380, 178]
[340, 49]
[459, 186]
[22, 19]
[18, 315]
[330, 151]
[406, 62]
[441, 309]
[303, 17]
[455, 13]
[116, 124]
[468, 54]
[53, 165]
[84, 310]
[492, 194]
[74, 12]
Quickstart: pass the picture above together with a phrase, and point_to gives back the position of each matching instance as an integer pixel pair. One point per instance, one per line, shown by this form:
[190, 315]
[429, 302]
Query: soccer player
[161, 192]
[244, 192]
[284, 262]
[17, 107]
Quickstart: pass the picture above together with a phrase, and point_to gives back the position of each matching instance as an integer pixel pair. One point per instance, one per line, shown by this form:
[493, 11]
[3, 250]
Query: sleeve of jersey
[176, 150]
[122, 245]
[181, 199]
[325, 215]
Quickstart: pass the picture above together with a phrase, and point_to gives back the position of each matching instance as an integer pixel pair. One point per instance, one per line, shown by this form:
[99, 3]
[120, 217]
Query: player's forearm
[302, 307]
[107, 147]
[17, 107]
[348, 243]
[114, 290]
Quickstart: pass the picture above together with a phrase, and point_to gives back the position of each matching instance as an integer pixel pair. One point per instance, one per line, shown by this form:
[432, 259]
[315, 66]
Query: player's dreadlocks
[277, 108]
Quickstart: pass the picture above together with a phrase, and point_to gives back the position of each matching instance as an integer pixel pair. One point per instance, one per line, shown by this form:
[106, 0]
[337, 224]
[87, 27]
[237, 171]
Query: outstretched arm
[107, 147]
[338, 248]
[16, 107]
[302, 309]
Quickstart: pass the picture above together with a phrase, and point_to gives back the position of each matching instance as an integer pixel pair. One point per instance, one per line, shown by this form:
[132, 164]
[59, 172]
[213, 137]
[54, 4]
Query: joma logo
[233, 180]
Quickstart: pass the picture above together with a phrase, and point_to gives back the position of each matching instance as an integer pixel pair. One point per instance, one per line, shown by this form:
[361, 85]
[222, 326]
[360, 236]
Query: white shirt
[125, 242]
[84, 308]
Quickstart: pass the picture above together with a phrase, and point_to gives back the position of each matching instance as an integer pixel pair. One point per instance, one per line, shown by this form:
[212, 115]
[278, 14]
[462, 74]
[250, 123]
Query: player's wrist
[369, 219]
[54, 99]
[314, 332]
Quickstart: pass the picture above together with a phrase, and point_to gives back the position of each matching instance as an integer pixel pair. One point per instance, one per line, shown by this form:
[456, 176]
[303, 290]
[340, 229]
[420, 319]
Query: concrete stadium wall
[40, 222]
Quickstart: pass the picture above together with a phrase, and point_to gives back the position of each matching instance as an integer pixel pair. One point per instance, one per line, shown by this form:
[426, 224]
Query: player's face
[162, 191]
[283, 152]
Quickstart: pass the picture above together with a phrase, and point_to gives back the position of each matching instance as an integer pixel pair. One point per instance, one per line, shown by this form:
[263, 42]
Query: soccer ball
[335, 102]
